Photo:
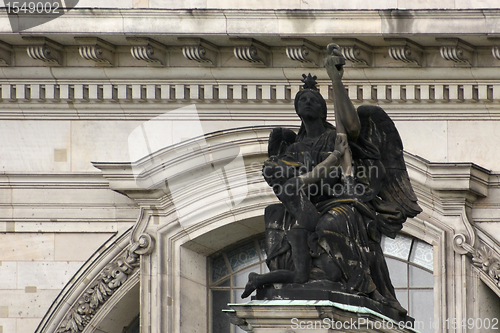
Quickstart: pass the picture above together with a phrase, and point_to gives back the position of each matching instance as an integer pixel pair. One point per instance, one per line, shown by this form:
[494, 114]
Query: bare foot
[251, 285]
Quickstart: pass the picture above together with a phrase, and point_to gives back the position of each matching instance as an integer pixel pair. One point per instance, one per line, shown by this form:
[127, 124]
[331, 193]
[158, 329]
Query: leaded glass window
[410, 262]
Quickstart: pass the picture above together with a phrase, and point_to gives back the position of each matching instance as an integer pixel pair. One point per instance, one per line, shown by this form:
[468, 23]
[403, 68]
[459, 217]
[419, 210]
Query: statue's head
[309, 88]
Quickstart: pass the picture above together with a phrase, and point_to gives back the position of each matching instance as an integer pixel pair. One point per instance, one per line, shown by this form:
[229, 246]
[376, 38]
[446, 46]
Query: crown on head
[309, 82]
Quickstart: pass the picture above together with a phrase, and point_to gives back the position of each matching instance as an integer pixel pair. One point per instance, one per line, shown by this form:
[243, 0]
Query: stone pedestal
[301, 316]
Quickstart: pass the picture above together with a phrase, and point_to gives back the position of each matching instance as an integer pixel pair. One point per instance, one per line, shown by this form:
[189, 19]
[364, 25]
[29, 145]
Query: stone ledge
[285, 316]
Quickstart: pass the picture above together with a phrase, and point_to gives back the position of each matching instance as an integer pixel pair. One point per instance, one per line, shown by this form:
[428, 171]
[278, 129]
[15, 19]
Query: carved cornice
[43, 49]
[404, 50]
[303, 51]
[148, 50]
[199, 50]
[456, 50]
[251, 51]
[96, 50]
[111, 278]
[355, 51]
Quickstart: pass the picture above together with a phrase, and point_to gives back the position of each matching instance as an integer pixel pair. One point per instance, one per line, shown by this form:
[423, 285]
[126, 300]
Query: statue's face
[309, 106]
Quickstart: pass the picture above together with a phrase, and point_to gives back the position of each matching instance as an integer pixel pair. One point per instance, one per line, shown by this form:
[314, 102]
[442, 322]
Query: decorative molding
[471, 100]
[44, 49]
[456, 50]
[111, 278]
[199, 50]
[251, 51]
[148, 50]
[405, 50]
[96, 50]
[303, 51]
[358, 53]
[488, 261]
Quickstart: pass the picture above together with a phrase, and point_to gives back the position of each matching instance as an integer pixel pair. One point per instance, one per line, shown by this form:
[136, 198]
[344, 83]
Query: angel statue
[340, 189]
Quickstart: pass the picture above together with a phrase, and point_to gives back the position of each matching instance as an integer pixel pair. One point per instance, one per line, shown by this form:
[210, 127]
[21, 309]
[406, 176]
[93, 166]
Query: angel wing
[394, 200]
[279, 140]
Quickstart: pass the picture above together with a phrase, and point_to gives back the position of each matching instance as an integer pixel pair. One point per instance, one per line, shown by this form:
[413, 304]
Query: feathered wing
[279, 140]
[395, 200]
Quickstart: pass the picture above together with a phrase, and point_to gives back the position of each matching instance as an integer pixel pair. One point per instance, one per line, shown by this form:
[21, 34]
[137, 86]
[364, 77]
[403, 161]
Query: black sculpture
[340, 189]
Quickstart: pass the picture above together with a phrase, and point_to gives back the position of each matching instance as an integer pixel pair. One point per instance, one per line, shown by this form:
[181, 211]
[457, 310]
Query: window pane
[219, 268]
[420, 277]
[402, 297]
[220, 321]
[422, 254]
[398, 247]
[243, 256]
[240, 279]
[422, 308]
[223, 283]
[397, 272]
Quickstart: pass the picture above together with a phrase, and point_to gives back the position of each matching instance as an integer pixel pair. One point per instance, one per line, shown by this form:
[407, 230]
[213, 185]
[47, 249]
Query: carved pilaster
[251, 51]
[148, 50]
[303, 51]
[111, 278]
[96, 50]
[406, 51]
[355, 51]
[199, 50]
[456, 50]
[45, 50]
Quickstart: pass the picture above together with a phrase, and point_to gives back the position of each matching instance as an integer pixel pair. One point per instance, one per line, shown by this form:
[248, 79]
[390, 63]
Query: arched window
[410, 263]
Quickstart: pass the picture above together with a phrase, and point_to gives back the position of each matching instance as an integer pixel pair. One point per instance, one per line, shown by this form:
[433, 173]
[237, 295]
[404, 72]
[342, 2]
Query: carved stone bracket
[456, 50]
[43, 49]
[112, 277]
[495, 51]
[404, 50]
[251, 51]
[303, 51]
[483, 257]
[5, 54]
[355, 51]
[199, 50]
[96, 50]
[148, 50]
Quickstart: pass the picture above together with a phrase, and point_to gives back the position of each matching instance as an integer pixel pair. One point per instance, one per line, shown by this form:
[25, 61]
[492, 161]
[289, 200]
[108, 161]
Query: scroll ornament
[114, 275]
[483, 257]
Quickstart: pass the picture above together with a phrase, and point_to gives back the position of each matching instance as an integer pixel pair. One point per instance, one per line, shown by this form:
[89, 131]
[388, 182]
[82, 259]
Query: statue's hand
[341, 143]
[334, 62]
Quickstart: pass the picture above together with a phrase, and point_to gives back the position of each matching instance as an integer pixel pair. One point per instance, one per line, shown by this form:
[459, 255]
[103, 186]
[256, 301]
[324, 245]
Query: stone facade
[69, 184]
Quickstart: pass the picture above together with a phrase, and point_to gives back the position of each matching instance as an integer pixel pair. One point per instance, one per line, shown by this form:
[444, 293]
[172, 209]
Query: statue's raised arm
[346, 118]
